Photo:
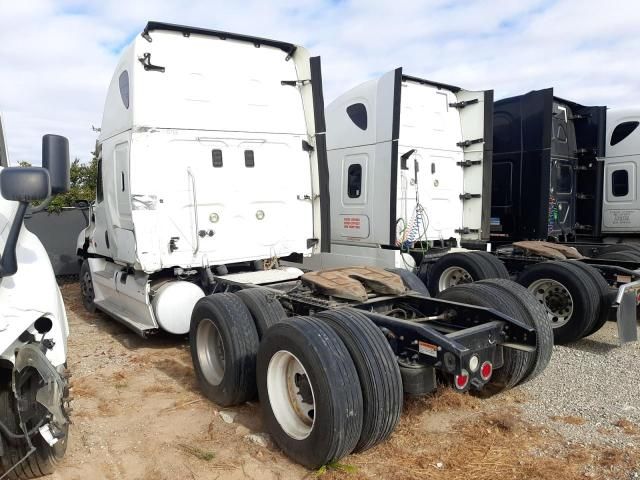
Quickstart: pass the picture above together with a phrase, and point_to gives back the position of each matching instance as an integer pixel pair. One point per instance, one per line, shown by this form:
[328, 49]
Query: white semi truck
[213, 169]
[34, 393]
[410, 163]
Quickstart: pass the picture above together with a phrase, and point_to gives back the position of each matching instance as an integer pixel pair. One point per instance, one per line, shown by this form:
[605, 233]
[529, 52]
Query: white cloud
[57, 56]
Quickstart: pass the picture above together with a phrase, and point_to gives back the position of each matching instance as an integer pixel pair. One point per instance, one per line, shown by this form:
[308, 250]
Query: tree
[83, 181]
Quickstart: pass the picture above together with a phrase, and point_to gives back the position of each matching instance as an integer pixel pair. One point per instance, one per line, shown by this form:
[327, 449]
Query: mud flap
[626, 316]
[51, 394]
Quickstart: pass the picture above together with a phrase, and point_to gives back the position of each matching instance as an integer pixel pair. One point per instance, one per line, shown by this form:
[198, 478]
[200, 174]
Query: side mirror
[24, 184]
[55, 158]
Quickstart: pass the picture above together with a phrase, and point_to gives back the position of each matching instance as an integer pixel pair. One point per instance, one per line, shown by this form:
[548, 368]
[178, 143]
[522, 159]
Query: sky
[57, 56]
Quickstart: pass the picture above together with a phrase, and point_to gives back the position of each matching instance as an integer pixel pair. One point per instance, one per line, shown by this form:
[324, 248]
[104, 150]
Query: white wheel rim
[453, 276]
[556, 300]
[210, 351]
[291, 395]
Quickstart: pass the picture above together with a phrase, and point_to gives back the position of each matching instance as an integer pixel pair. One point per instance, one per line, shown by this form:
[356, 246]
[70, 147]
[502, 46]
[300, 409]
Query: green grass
[197, 452]
[336, 466]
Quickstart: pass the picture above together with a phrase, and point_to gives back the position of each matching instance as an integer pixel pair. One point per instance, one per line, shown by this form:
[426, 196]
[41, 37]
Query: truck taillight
[461, 381]
[486, 370]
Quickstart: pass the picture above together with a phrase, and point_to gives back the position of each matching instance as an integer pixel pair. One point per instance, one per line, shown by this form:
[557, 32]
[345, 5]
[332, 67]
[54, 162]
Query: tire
[378, 372]
[605, 294]
[42, 462]
[410, 280]
[456, 268]
[568, 293]
[518, 365]
[86, 287]
[331, 388]
[622, 256]
[500, 271]
[620, 247]
[222, 320]
[265, 309]
[529, 311]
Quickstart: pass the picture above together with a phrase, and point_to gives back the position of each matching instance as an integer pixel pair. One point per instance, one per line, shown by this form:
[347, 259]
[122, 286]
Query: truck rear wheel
[224, 343]
[377, 369]
[309, 391]
[500, 271]
[86, 287]
[618, 248]
[527, 309]
[568, 294]
[42, 462]
[606, 294]
[503, 296]
[410, 280]
[457, 268]
[265, 309]
[621, 256]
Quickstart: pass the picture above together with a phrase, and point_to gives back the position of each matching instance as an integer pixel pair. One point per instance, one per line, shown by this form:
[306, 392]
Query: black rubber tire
[378, 372]
[86, 287]
[265, 309]
[477, 267]
[585, 295]
[623, 256]
[334, 380]
[240, 341]
[500, 271]
[42, 462]
[605, 294]
[620, 247]
[533, 314]
[410, 280]
[518, 365]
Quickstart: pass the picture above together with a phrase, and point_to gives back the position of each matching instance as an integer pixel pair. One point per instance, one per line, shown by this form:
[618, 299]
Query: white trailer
[213, 170]
[34, 393]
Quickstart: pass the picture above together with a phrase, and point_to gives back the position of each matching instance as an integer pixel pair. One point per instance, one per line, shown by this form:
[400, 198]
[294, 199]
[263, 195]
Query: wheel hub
[556, 299]
[210, 350]
[453, 276]
[291, 395]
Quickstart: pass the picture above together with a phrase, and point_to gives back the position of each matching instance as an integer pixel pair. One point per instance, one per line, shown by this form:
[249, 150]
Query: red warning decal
[351, 223]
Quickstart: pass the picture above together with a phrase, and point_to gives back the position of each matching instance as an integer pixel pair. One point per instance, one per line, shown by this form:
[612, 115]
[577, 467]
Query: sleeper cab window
[358, 115]
[123, 82]
[354, 180]
[622, 131]
[620, 183]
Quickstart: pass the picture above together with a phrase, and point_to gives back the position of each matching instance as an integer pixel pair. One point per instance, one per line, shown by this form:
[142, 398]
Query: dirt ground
[138, 414]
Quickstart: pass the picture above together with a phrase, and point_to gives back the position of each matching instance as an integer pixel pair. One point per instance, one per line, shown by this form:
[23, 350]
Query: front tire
[42, 462]
[309, 391]
[86, 287]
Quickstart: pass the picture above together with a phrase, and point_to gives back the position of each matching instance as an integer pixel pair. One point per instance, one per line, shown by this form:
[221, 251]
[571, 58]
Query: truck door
[123, 226]
[562, 192]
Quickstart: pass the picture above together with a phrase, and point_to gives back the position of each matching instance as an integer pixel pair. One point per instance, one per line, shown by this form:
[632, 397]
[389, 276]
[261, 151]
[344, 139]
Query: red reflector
[461, 380]
[486, 370]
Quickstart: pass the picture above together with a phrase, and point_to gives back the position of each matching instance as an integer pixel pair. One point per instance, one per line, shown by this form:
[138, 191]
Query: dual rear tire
[463, 267]
[574, 295]
[328, 385]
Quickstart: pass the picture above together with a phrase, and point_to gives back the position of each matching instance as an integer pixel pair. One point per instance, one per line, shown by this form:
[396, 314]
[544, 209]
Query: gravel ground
[590, 391]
